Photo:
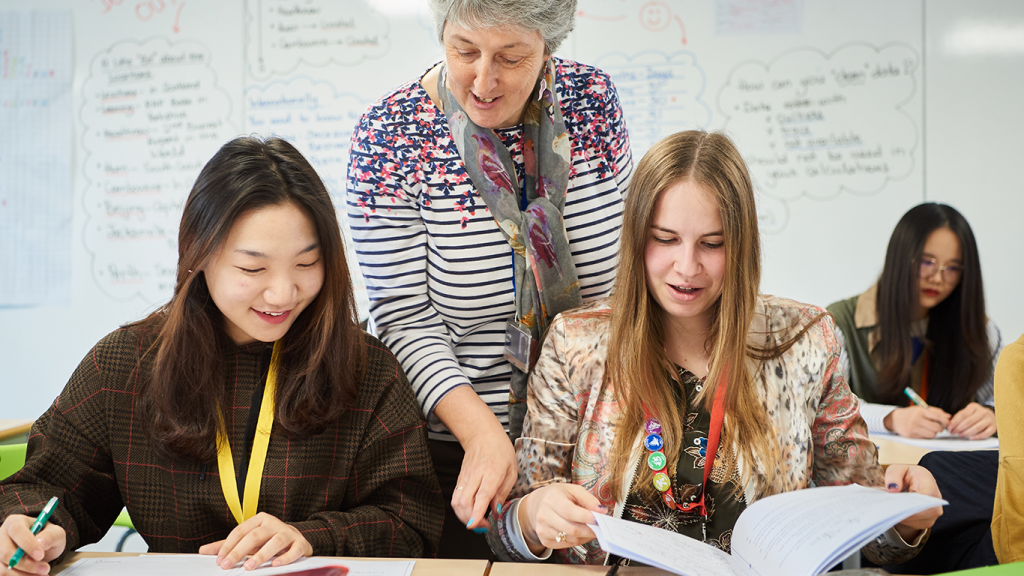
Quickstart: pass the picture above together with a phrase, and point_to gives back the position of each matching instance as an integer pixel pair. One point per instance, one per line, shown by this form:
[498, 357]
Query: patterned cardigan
[363, 487]
[570, 424]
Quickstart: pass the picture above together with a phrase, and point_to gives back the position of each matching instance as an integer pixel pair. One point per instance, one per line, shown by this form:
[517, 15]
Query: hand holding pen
[974, 421]
[914, 397]
[27, 545]
[917, 421]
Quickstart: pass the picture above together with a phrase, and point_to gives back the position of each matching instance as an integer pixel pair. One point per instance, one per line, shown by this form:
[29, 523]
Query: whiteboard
[847, 113]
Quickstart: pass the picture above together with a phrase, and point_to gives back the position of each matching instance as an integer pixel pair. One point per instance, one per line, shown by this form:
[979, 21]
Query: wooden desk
[518, 569]
[424, 566]
[890, 452]
[12, 428]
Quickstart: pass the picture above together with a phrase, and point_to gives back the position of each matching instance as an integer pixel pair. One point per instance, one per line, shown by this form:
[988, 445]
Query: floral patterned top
[570, 423]
[437, 268]
[687, 478]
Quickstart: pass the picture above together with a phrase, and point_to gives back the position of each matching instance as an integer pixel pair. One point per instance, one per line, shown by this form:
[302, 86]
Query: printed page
[806, 532]
[943, 441]
[196, 565]
[661, 548]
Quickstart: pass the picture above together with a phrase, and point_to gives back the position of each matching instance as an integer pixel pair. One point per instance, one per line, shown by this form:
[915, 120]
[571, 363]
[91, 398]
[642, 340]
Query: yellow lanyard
[260, 443]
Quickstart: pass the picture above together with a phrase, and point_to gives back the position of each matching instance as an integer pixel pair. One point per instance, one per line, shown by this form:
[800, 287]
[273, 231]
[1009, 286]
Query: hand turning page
[799, 533]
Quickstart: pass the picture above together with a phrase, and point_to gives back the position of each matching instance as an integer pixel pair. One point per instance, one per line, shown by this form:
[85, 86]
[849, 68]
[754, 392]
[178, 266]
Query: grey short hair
[554, 19]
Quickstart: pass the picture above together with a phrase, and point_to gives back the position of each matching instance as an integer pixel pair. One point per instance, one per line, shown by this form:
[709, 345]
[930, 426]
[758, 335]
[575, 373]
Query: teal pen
[914, 397]
[41, 520]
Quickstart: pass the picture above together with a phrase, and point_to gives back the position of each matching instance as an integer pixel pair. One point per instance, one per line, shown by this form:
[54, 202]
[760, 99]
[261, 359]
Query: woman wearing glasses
[923, 327]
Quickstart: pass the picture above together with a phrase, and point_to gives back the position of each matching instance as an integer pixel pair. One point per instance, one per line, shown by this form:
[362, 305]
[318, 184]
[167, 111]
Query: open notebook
[799, 533]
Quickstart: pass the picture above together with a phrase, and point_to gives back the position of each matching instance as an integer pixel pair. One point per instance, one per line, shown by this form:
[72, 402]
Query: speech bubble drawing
[660, 94]
[319, 122]
[818, 125]
[153, 116]
[772, 214]
[284, 33]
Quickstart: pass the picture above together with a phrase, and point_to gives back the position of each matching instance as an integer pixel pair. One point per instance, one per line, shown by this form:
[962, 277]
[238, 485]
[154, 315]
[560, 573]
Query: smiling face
[942, 249]
[492, 71]
[655, 16]
[266, 272]
[685, 255]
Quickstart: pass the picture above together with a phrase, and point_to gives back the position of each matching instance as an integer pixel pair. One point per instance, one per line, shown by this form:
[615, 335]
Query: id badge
[520, 349]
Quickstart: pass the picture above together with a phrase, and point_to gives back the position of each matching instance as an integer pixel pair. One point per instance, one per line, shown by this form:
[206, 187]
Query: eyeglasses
[950, 274]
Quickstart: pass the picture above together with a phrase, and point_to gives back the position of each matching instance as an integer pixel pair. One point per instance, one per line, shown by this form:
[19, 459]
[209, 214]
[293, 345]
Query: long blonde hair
[637, 366]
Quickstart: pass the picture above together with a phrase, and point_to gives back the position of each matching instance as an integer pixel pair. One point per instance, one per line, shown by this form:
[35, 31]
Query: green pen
[41, 520]
[914, 397]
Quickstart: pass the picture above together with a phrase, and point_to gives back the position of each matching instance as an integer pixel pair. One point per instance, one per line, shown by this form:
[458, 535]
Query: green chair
[12, 458]
[125, 522]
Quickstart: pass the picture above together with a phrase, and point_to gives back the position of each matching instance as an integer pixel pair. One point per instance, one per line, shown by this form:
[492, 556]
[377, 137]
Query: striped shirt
[438, 271]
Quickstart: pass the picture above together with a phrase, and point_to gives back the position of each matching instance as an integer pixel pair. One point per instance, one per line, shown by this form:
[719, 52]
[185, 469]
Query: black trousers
[962, 537]
[456, 540]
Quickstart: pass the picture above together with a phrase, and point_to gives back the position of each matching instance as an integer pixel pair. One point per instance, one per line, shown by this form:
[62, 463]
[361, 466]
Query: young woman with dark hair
[923, 327]
[257, 366]
[688, 395]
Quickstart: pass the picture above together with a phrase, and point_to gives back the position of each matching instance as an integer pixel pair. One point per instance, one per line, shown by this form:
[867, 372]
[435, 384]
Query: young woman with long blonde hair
[688, 378]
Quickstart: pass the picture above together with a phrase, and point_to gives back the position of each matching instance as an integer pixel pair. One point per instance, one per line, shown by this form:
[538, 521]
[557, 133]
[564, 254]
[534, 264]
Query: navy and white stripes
[438, 271]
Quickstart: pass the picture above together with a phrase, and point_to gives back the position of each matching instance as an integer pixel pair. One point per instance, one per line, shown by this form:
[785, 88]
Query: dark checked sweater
[364, 487]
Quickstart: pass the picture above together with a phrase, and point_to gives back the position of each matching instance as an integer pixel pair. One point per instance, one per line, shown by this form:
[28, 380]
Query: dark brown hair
[959, 358]
[323, 356]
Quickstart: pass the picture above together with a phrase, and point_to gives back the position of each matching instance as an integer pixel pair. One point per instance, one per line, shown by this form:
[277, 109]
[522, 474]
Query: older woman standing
[484, 198]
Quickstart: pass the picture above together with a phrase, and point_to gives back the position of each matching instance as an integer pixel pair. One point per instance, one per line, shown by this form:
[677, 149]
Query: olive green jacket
[857, 320]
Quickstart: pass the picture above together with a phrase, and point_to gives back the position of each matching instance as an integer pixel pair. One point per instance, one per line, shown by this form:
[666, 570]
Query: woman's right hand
[917, 421]
[489, 468]
[554, 509]
[16, 532]
[489, 471]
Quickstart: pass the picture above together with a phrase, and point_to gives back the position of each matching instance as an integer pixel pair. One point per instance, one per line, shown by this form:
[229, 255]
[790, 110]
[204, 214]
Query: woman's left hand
[974, 421]
[264, 537]
[903, 478]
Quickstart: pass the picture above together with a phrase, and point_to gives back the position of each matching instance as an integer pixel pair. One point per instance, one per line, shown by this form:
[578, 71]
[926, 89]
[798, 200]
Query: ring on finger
[458, 487]
[561, 537]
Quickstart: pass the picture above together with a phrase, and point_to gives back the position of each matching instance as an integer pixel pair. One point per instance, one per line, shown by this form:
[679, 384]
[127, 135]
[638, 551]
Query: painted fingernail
[499, 507]
[602, 508]
[894, 486]
[470, 523]
[481, 530]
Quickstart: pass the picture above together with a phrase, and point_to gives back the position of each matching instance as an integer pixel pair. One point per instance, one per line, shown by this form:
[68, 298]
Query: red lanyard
[657, 462]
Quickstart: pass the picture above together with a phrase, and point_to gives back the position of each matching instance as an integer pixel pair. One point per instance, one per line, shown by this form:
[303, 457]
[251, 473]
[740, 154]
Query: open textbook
[799, 533]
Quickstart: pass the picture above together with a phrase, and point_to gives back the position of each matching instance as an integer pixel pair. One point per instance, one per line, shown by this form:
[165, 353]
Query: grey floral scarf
[545, 274]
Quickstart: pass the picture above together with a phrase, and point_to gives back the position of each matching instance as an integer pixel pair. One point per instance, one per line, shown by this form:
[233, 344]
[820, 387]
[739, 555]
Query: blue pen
[41, 520]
